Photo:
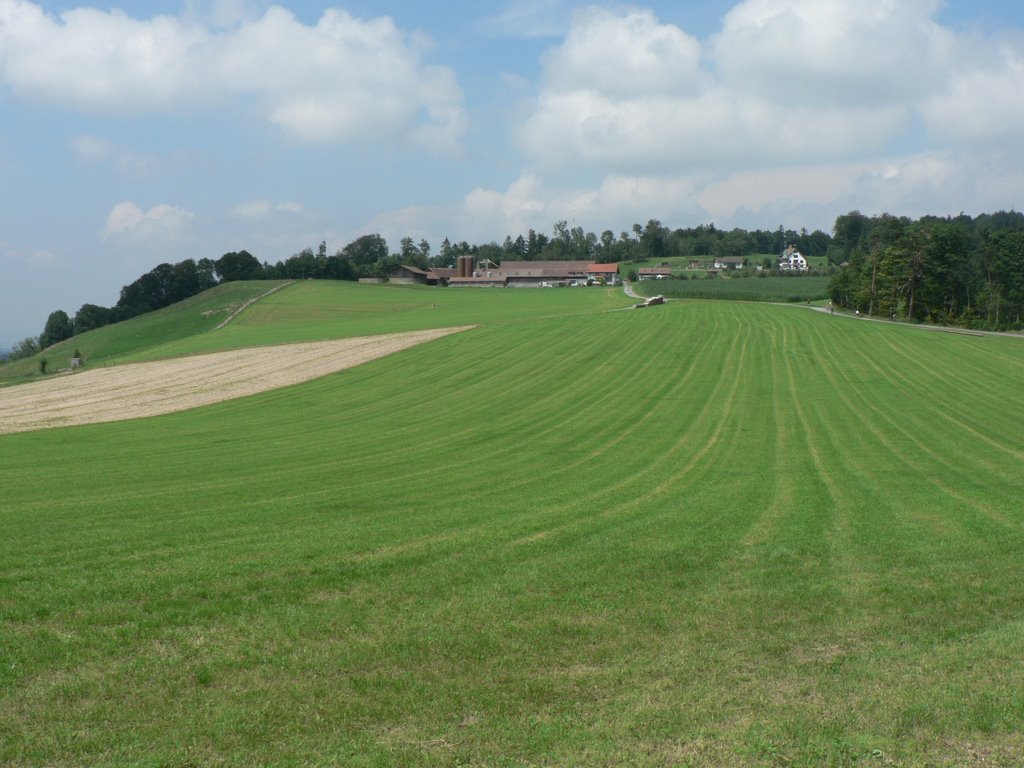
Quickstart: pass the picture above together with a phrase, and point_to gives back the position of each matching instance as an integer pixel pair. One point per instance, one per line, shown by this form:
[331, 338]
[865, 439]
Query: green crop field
[700, 534]
[772, 289]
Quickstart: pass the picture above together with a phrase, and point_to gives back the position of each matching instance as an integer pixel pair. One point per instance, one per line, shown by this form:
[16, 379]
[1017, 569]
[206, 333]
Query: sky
[149, 131]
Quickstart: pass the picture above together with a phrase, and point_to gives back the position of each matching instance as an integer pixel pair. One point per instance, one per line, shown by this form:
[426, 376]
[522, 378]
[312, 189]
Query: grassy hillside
[322, 309]
[304, 311]
[704, 534]
[118, 342]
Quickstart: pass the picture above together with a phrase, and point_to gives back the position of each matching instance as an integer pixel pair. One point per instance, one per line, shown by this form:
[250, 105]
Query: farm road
[138, 390]
[922, 326]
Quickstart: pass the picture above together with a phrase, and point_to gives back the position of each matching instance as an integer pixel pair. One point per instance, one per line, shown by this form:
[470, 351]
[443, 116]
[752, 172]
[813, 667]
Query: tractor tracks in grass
[250, 302]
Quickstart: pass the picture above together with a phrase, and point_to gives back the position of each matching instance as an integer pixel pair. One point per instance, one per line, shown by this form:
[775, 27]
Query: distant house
[607, 272]
[664, 272]
[729, 262]
[696, 264]
[792, 261]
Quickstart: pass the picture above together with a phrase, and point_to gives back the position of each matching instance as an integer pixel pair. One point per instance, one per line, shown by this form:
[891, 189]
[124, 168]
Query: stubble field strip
[153, 388]
[743, 564]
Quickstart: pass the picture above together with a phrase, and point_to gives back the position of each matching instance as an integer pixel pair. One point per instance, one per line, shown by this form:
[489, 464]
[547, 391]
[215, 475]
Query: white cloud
[340, 79]
[515, 210]
[652, 135]
[793, 107]
[42, 258]
[264, 209]
[836, 53]
[529, 202]
[38, 258]
[432, 223]
[623, 198]
[128, 163]
[354, 78]
[929, 183]
[982, 101]
[253, 209]
[624, 56]
[530, 19]
[224, 13]
[160, 223]
[89, 58]
[754, 190]
[628, 94]
[938, 183]
[92, 149]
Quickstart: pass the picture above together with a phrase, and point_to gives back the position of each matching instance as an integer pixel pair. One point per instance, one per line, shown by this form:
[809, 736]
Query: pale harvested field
[137, 390]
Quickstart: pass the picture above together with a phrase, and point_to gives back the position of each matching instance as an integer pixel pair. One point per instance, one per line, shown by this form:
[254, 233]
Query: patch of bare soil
[138, 390]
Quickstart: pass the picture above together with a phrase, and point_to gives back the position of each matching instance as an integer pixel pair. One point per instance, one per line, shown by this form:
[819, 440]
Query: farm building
[409, 275]
[607, 272]
[792, 260]
[513, 274]
[729, 262]
[444, 274]
[485, 280]
[664, 272]
[535, 273]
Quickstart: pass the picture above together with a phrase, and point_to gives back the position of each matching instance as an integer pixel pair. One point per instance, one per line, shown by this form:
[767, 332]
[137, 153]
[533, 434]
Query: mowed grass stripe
[969, 476]
[740, 567]
[963, 381]
[173, 489]
[930, 500]
[596, 487]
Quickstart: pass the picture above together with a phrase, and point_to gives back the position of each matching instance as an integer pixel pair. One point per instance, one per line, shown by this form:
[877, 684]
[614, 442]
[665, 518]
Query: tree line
[954, 270]
[370, 256]
[641, 243]
[949, 270]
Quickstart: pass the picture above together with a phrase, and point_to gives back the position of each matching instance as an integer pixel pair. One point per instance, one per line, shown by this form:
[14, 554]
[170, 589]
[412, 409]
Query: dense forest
[955, 270]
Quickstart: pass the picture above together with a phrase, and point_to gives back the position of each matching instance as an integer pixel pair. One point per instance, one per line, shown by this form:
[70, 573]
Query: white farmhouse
[792, 260]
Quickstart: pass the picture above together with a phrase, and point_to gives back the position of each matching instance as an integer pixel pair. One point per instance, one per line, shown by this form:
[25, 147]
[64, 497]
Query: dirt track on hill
[138, 390]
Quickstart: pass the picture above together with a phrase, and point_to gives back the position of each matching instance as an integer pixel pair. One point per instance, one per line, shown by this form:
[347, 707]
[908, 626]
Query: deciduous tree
[58, 327]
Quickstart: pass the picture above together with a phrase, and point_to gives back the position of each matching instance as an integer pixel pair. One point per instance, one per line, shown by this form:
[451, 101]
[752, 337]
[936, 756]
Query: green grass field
[701, 534]
[681, 264]
[771, 289]
[137, 337]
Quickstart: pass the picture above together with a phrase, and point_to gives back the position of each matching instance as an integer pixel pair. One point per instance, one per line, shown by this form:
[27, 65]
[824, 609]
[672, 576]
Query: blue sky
[135, 133]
